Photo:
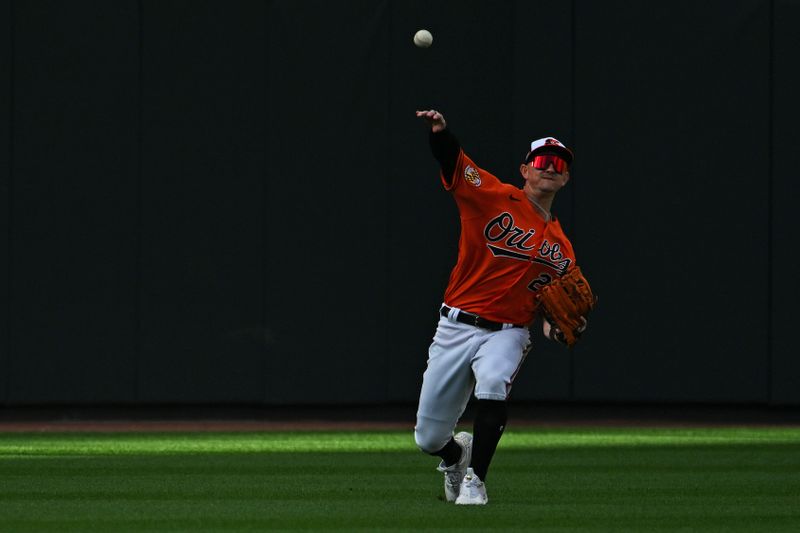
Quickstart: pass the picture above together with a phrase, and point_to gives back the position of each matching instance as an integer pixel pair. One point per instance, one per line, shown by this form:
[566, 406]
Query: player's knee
[431, 438]
[427, 442]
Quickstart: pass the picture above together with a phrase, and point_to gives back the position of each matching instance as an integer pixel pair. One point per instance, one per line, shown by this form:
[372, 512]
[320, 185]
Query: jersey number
[537, 284]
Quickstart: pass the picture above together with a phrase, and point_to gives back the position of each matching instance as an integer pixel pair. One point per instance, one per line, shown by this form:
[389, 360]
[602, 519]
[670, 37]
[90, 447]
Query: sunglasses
[541, 162]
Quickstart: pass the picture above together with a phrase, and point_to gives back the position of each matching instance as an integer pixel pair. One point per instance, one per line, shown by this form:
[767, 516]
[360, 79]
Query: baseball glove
[565, 302]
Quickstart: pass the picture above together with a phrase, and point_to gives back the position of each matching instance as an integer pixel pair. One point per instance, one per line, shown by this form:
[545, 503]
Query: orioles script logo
[503, 229]
[550, 254]
[515, 241]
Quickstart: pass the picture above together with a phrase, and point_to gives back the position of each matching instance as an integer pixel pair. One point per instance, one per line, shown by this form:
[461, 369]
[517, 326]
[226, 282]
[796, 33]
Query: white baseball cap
[550, 144]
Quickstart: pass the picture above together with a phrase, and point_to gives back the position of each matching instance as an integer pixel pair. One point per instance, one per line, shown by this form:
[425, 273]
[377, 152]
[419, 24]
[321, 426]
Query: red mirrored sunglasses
[541, 162]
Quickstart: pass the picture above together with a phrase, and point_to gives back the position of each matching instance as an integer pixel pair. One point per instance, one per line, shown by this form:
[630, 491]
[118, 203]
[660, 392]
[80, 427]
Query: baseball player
[510, 246]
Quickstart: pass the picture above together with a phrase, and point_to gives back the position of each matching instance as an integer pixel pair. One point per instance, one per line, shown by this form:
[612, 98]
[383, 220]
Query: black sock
[490, 421]
[451, 452]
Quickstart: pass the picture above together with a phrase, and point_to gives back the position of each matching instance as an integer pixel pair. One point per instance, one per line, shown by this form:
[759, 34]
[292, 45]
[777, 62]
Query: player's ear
[523, 170]
[566, 177]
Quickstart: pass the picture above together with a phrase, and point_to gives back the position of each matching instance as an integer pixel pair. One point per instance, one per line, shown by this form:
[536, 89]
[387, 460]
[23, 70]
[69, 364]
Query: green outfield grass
[542, 479]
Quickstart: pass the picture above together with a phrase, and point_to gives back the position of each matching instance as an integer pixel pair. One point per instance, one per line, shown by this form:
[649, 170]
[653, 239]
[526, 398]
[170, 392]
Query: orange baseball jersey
[506, 250]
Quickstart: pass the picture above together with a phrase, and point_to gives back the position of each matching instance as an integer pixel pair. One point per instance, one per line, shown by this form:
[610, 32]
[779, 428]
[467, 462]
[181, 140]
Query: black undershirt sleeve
[445, 148]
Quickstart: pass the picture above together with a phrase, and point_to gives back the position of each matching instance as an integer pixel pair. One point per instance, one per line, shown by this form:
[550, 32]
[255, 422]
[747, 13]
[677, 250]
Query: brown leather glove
[565, 302]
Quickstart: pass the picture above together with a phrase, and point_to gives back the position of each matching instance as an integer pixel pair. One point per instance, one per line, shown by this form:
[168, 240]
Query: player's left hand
[555, 334]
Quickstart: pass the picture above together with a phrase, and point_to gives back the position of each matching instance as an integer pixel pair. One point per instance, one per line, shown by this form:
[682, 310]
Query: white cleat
[473, 491]
[454, 474]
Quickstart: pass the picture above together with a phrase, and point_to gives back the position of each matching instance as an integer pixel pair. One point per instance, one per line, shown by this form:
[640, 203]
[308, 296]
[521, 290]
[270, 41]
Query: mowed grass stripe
[543, 480]
[52, 444]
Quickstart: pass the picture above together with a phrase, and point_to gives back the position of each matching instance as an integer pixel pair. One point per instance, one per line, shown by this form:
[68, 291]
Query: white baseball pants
[460, 358]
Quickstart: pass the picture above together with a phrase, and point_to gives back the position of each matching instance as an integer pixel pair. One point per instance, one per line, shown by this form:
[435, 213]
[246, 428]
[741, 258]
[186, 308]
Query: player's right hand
[434, 118]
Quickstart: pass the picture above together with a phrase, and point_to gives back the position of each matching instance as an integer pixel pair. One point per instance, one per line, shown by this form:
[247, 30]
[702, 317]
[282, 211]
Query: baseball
[423, 39]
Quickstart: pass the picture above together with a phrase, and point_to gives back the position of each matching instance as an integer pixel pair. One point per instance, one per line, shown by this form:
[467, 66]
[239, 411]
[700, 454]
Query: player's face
[545, 174]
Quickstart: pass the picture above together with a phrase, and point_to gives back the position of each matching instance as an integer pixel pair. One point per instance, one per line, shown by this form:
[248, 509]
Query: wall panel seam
[770, 194]
[137, 341]
[8, 341]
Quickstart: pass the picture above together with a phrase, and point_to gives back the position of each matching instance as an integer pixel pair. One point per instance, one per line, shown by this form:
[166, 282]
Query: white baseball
[423, 39]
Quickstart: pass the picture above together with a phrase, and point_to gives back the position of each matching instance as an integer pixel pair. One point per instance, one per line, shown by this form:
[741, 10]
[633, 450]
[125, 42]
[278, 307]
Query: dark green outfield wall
[232, 202]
